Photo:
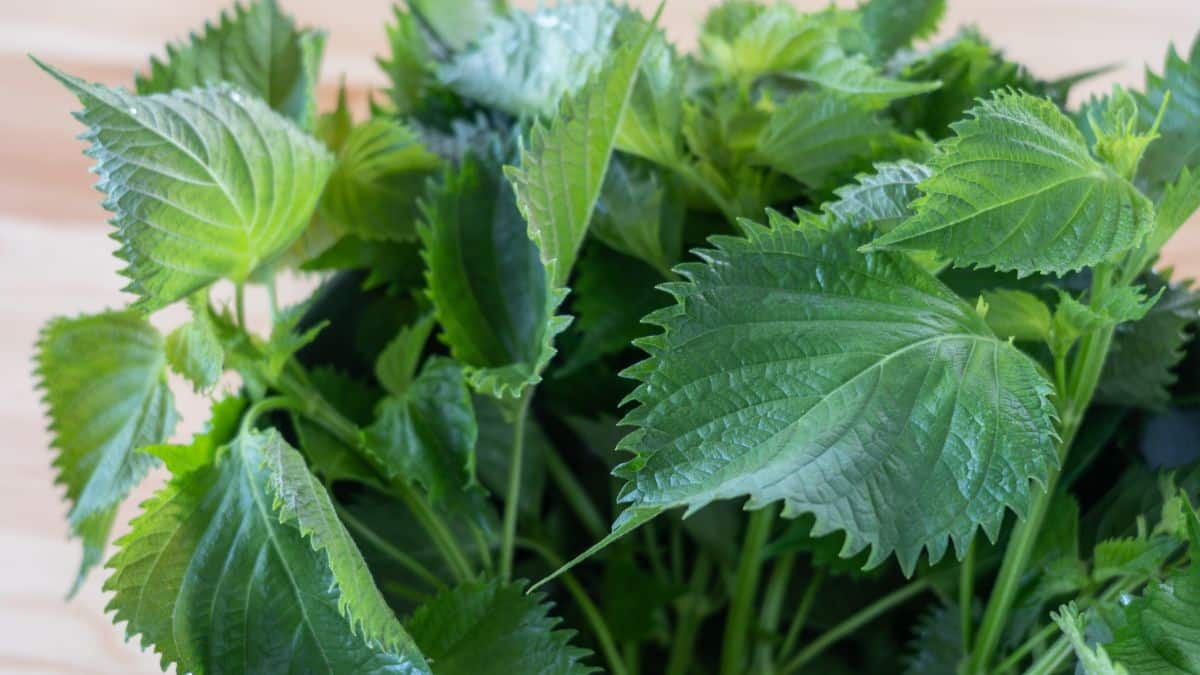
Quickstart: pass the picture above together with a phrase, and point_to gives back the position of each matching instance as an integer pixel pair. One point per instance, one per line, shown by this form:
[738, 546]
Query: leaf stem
[691, 613]
[801, 616]
[737, 622]
[239, 303]
[593, 616]
[576, 496]
[772, 608]
[513, 496]
[966, 596]
[405, 560]
[860, 618]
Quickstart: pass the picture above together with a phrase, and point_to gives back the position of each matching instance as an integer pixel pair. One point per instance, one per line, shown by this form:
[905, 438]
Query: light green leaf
[1178, 146]
[194, 349]
[1115, 128]
[894, 24]
[489, 627]
[1180, 200]
[1130, 557]
[1016, 189]
[382, 170]
[854, 387]
[426, 436]
[561, 173]
[1160, 634]
[854, 77]
[488, 287]
[1094, 660]
[526, 62]
[652, 125]
[881, 199]
[458, 23]
[257, 49]
[1017, 314]
[410, 65]
[743, 40]
[105, 383]
[221, 428]
[1140, 365]
[397, 363]
[204, 184]
[640, 213]
[227, 558]
[817, 136]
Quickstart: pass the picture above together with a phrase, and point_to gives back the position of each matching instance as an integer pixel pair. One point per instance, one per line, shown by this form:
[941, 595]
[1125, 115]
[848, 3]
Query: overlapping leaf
[194, 349]
[495, 628]
[881, 199]
[854, 387]
[257, 49]
[560, 175]
[1178, 146]
[204, 184]
[227, 559]
[1017, 189]
[104, 379]
[894, 24]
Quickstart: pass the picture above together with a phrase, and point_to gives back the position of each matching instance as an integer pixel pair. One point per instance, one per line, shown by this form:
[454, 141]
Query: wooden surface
[55, 256]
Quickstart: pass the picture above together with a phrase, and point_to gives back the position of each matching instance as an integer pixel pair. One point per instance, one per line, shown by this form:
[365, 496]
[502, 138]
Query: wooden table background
[55, 256]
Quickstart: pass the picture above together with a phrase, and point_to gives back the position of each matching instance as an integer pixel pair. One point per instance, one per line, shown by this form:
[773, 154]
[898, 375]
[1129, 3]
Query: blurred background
[55, 254]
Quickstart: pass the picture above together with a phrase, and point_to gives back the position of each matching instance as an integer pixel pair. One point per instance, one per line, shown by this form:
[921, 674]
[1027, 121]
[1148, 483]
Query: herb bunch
[876, 329]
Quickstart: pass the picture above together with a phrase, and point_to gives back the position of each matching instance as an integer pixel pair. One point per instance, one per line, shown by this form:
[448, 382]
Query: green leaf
[561, 173]
[854, 77]
[1180, 200]
[388, 263]
[458, 23]
[1130, 557]
[1159, 634]
[397, 363]
[1016, 189]
[1115, 128]
[640, 213]
[1093, 660]
[1017, 314]
[817, 137]
[653, 123]
[488, 287]
[894, 24]
[427, 437]
[194, 349]
[1140, 365]
[410, 64]
[204, 184]
[881, 199]
[489, 627]
[226, 559]
[743, 40]
[936, 645]
[1178, 146]
[382, 170]
[221, 428]
[854, 387]
[257, 49]
[105, 383]
[525, 62]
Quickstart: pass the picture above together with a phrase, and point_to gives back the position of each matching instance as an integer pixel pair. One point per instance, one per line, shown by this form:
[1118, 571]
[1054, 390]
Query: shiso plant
[860, 346]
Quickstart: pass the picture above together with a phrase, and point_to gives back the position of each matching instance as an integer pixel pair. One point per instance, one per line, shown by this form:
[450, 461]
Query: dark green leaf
[1178, 145]
[894, 24]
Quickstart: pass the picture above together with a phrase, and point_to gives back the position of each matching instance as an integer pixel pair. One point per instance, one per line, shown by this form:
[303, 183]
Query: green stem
[801, 616]
[966, 596]
[859, 619]
[593, 616]
[485, 550]
[772, 608]
[691, 614]
[436, 528]
[239, 304]
[513, 496]
[737, 622]
[714, 194]
[576, 496]
[405, 560]
[1052, 658]
[261, 408]
[1028, 646]
[1081, 385]
[273, 299]
[650, 540]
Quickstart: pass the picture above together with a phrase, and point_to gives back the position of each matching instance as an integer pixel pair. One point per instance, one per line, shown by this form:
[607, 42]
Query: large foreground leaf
[1017, 189]
[204, 184]
[561, 174]
[257, 49]
[105, 384]
[854, 387]
[494, 628]
[243, 566]
[488, 286]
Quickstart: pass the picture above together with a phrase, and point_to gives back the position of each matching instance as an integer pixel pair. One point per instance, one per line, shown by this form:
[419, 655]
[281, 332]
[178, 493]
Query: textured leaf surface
[226, 560]
[854, 387]
[1092, 660]
[427, 436]
[881, 199]
[640, 213]
[382, 170]
[894, 24]
[397, 363]
[1178, 145]
[560, 175]
[487, 283]
[495, 628]
[524, 63]
[1017, 314]
[204, 184]
[1016, 189]
[1161, 631]
[257, 49]
[104, 379]
[194, 349]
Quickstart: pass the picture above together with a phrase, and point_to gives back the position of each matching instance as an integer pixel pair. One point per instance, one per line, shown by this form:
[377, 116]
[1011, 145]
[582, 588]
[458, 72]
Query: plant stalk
[801, 616]
[574, 493]
[737, 623]
[966, 597]
[772, 608]
[691, 614]
[513, 496]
